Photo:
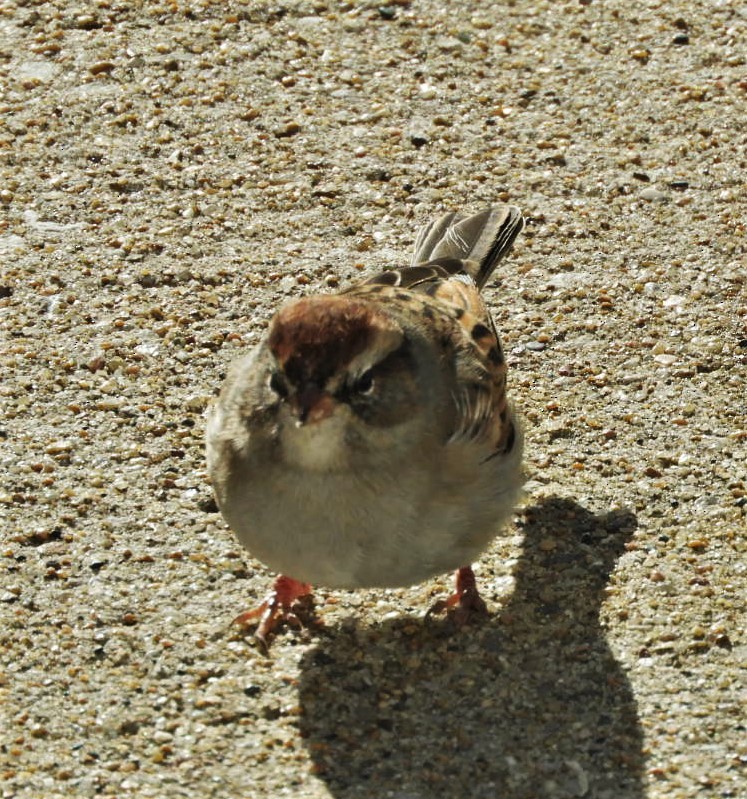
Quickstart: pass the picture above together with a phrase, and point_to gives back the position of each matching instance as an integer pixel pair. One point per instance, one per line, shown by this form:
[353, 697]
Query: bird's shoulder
[443, 301]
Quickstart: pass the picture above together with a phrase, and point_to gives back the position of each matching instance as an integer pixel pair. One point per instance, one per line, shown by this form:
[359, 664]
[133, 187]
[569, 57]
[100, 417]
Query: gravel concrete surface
[171, 172]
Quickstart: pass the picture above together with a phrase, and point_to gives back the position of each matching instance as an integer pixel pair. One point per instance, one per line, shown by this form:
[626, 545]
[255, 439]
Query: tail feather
[480, 240]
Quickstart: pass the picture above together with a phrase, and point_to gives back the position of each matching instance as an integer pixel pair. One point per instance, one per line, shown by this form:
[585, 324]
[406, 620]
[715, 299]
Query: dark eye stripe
[364, 384]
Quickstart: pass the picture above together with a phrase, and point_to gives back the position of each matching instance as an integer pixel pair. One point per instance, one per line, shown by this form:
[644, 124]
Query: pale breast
[347, 530]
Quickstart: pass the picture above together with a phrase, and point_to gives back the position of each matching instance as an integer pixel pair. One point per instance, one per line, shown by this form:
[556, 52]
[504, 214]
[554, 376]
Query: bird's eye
[278, 385]
[365, 383]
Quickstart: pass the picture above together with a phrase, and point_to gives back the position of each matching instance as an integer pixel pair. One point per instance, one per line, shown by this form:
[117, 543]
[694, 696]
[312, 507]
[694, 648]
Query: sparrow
[368, 441]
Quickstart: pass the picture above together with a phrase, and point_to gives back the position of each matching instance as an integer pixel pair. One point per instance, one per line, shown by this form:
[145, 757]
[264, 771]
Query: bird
[368, 440]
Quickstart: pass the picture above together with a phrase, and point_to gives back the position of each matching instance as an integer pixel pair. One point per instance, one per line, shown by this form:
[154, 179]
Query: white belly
[344, 530]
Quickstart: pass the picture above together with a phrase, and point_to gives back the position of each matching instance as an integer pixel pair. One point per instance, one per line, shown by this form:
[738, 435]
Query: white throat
[316, 447]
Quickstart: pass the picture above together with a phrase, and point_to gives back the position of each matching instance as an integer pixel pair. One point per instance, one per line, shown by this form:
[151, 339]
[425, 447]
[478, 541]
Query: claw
[465, 603]
[284, 603]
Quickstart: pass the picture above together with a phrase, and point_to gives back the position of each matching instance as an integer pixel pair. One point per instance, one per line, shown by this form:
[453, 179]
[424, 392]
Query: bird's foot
[289, 600]
[465, 603]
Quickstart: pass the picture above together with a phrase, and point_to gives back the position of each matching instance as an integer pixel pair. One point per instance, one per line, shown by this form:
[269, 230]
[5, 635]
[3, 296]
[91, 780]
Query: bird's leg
[281, 604]
[465, 602]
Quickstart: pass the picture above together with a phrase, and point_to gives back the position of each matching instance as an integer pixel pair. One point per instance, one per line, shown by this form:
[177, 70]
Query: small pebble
[653, 195]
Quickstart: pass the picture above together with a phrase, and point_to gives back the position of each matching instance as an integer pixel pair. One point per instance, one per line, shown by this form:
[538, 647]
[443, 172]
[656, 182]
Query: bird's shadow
[531, 703]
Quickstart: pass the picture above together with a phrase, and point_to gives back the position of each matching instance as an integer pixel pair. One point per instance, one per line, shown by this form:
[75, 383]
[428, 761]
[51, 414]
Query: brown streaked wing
[480, 393]
[417, 278]
[480, 397]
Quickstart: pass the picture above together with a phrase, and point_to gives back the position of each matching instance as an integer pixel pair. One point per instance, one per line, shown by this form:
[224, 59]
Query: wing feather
[454, 257]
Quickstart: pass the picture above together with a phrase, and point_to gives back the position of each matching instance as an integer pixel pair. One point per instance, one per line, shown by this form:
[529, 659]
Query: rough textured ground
[171, 172]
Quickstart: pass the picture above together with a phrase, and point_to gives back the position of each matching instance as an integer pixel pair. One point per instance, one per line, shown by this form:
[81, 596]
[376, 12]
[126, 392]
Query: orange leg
[465, 602]
[280, 604]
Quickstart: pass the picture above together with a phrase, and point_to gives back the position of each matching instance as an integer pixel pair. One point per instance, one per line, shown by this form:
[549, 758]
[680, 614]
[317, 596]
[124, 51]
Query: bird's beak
[312, 405]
